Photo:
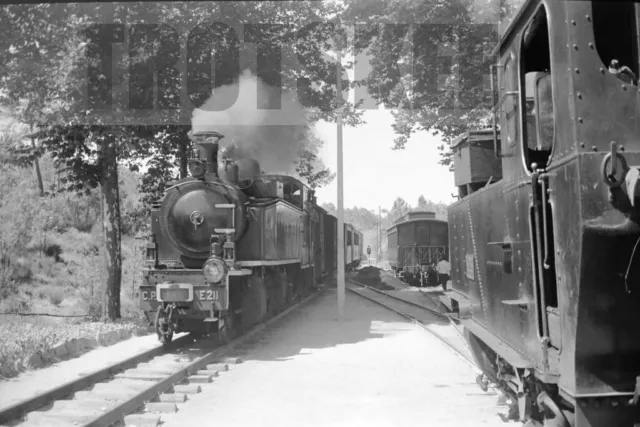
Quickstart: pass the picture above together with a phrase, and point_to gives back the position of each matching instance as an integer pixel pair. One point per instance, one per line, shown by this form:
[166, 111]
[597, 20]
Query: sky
[375, 174]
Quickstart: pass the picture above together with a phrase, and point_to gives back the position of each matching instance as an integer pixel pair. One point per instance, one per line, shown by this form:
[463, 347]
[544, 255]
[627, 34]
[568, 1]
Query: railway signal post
[341, 256]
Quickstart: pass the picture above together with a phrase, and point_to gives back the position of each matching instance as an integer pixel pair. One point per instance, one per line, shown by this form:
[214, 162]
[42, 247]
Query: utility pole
[341, 257]
[379, 233]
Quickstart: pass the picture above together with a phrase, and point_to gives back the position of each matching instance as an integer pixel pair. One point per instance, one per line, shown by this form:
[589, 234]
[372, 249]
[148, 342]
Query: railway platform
[372, 368]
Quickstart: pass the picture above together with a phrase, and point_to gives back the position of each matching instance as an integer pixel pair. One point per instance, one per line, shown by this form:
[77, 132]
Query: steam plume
[275, 137]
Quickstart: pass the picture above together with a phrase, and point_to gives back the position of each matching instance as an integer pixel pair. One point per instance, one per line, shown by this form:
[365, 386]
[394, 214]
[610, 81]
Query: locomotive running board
[504, 350]
[457, 303]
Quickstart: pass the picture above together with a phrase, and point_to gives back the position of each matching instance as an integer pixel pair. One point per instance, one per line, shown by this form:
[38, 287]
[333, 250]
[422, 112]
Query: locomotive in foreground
[543, 241]
[231, 246]
[417, 241]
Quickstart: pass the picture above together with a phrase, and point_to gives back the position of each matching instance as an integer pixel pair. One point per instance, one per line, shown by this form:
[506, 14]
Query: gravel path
[372, 369]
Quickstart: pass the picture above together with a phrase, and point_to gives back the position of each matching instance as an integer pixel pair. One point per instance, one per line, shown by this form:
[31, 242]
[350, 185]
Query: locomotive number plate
[208, 295]
[174, 295]
[174, 292]
[148, 295]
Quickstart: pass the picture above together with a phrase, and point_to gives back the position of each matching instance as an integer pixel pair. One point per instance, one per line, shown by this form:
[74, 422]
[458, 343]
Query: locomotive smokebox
[207, 143]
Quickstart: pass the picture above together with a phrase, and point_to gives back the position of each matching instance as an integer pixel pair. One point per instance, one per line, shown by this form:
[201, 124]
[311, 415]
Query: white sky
[374, 174]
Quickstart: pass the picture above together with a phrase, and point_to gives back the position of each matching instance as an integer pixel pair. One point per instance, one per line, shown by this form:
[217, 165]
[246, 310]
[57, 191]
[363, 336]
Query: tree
[439, 209]
[400, 208]
[284, 38]
[422, 202]
[408, 62]
[329, 207]
[307, 170]
[44, 64]
[310, 168]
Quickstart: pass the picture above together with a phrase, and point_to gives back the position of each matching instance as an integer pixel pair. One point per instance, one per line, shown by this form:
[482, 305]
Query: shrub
[53, 251]
[20, 272]
[55, 296]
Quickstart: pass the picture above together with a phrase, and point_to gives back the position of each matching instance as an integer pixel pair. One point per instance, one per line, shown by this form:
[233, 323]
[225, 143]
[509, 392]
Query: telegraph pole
[341, 256]
[379, 233]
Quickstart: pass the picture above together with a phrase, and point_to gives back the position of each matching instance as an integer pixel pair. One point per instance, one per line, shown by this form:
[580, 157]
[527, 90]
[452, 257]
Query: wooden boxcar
[353, 246]
[415, 241]
[319, 243]
[330, 225]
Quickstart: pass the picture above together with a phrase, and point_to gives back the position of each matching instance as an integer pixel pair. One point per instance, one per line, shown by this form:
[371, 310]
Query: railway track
[138, 391]
[433, 321]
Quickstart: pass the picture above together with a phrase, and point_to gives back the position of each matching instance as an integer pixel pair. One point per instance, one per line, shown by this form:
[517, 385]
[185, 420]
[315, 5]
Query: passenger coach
[416, 241]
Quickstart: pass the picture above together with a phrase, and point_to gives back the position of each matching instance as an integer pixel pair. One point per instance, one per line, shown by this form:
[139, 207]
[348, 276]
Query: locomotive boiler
[230, 246]
[544, 239]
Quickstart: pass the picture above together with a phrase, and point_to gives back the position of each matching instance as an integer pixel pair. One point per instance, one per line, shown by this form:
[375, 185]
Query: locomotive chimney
[207, 146]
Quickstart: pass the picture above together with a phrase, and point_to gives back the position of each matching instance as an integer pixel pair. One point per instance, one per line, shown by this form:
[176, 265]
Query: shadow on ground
[316, 326]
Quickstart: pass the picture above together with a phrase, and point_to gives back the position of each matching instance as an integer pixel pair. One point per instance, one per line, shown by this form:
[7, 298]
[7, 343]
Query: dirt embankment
[370, 276]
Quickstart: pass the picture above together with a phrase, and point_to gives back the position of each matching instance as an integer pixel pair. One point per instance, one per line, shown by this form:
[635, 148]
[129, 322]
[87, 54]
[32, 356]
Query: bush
[27, 336]
[52, 247]
[20, 272]
[55, 296]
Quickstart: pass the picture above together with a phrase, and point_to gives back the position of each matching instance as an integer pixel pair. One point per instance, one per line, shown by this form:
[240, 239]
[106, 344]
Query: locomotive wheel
[163, 326]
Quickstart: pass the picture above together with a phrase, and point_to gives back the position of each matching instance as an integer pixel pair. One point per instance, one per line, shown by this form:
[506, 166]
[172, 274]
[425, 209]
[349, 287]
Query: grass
[67, 281]
[52, 258]
[24, 337]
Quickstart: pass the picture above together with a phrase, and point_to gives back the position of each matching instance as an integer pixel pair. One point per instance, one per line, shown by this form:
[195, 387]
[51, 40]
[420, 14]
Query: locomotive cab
[541, 260]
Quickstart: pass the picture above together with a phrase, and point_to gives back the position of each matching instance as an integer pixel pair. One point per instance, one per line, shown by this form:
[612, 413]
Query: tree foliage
[370, 223]
[64, 70]
[430, 62]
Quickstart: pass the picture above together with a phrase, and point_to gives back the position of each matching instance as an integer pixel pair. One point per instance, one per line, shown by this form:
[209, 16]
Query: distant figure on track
[443, 272]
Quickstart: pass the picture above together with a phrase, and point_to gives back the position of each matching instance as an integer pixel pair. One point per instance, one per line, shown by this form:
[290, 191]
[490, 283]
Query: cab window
[509, 107]
[539, 129]
[618, 49]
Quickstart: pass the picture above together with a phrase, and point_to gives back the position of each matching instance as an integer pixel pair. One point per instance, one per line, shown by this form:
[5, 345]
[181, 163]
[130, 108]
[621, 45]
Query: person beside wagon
[444, 270]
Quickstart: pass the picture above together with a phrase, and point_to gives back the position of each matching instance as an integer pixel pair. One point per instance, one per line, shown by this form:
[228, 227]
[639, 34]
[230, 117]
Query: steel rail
[131, 404]
[433, 310]
[20, 409]
[425, 327]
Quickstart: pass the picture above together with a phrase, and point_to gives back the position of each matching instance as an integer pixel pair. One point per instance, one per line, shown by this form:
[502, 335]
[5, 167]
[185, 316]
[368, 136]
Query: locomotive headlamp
[214, 270]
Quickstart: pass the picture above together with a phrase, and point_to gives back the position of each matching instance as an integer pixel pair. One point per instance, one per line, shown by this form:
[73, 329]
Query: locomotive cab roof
[514, 24]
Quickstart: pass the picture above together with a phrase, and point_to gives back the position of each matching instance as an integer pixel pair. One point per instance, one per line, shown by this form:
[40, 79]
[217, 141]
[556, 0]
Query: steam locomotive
[544, 238]
[230, 246]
